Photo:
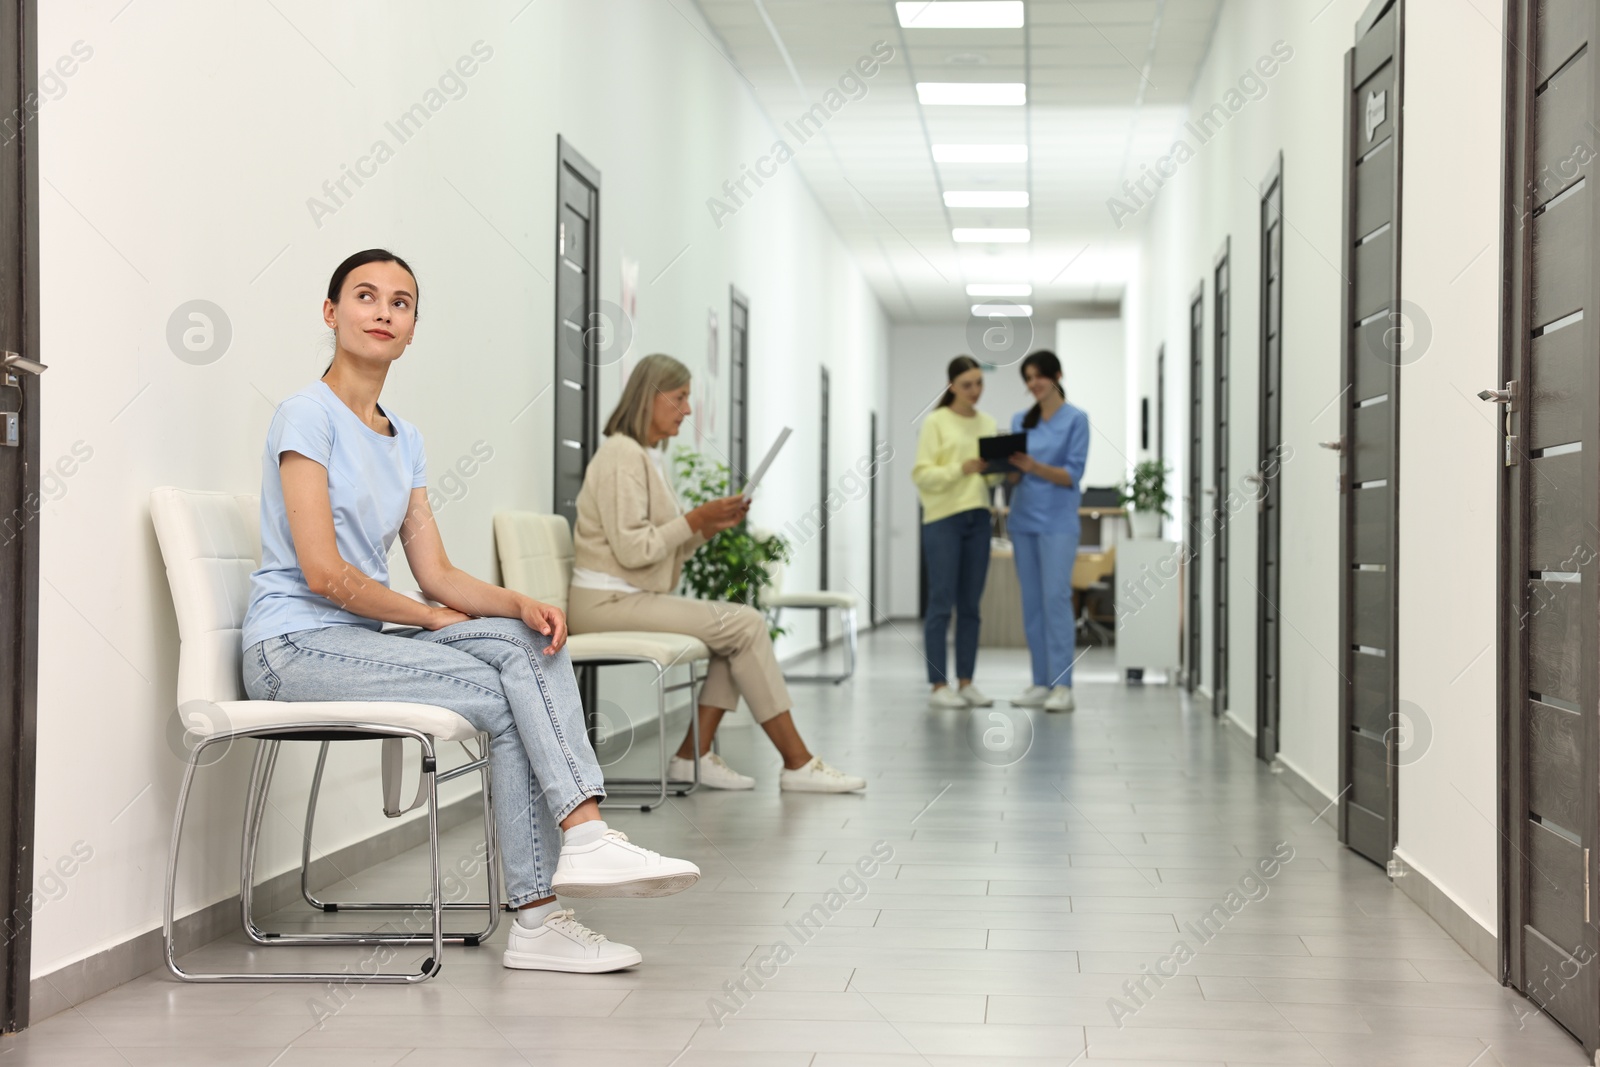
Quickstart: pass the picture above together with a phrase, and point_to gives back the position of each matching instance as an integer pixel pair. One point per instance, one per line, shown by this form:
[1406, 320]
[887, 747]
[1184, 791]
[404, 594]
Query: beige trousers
[742, 660]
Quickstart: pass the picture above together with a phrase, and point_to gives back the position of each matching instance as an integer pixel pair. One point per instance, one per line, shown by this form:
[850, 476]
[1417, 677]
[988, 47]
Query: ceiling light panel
[951, 15]
[999, 289]
[972, 94]
[980, 153]
[1015, 311]
[985, 198]
[990, 235]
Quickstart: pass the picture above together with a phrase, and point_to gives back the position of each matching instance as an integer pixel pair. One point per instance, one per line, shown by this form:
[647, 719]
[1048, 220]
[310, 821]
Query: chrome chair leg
[255, 802]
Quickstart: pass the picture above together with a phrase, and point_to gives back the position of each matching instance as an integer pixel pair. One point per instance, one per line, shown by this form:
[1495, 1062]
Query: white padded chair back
[210, 543]
[535, 555]
[775, 569]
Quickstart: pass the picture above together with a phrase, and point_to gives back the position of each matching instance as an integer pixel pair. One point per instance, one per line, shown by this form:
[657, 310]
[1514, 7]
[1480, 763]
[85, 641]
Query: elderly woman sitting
[629, 548]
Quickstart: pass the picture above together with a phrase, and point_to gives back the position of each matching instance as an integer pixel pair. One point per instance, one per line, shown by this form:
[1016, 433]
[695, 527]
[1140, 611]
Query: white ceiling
[1106, 84]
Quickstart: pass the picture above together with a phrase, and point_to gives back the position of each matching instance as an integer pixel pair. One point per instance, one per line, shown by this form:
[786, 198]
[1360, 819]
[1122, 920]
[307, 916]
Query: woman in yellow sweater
[956, 528]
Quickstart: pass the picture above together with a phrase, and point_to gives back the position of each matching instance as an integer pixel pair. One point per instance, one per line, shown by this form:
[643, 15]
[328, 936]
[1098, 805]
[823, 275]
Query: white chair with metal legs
[823, 600]
[536, 560]
[210, 543]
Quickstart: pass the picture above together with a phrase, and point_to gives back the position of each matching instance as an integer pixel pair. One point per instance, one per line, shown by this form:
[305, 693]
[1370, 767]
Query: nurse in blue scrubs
[1043, 526]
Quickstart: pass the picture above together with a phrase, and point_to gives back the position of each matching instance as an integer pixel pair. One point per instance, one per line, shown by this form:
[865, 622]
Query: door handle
[1332, 446]
[1507, 397]
[15, 361]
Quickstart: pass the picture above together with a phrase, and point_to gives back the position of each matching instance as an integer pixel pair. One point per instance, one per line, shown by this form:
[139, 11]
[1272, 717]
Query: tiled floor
[1035, 878]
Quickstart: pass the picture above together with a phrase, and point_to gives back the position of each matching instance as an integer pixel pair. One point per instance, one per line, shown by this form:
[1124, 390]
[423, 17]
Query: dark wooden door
[1267, 479]
[580, 330]
[738, 388]
[872, 526]
[1194, 505]
[1161, 406]
[1374, 335]
[19, 500]
[824, 406]
[1550, 512]
[1222, 420]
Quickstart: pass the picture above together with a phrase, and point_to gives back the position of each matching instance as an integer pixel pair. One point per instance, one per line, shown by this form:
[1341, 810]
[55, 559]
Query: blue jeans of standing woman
[1044, 571]
[492, 673]
[955, 549]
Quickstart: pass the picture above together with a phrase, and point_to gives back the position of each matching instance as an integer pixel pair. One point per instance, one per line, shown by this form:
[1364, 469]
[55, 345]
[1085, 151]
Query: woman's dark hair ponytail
[361, 259]
[1046, 365]
[958, 366]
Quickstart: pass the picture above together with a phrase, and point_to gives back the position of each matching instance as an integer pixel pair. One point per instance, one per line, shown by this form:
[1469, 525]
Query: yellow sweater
[946, 442]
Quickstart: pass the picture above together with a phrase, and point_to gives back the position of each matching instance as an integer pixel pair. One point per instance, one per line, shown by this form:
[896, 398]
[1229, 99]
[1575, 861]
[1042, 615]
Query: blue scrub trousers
[955, 549]
[1044, 571]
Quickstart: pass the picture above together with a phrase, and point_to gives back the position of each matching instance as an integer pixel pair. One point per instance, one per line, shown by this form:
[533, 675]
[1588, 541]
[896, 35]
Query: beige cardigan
[628, 520]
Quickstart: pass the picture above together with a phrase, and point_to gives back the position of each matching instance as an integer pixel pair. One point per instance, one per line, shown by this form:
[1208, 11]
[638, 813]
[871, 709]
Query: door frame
[1375, 11]
[1195, 483]
[19, 566]
[1222, 431]
[569, 160]
[1269, 484]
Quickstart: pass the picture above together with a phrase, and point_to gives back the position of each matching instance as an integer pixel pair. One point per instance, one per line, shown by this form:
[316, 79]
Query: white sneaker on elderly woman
[714, 773]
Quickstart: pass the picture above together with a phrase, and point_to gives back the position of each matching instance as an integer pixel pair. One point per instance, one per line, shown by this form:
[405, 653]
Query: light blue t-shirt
[370, 478]
[1038, 506]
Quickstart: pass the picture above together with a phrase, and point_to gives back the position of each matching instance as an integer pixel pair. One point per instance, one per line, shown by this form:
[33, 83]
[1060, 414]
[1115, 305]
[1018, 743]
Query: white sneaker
[714, 773]
[1060, 699]
[611, 867]
[975, 697]
[945, 697]
[1033, 697]
[565, 944]
[818, 777]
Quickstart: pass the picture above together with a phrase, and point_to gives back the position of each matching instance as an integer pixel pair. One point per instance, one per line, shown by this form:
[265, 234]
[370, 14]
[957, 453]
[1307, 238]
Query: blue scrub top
[370, 478]
[1038, 506]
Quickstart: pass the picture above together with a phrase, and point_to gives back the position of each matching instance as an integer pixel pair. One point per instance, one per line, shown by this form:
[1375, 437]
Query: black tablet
[998, 449]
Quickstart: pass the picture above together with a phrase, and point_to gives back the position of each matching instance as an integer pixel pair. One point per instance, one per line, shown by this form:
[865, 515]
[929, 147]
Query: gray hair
[653, 375]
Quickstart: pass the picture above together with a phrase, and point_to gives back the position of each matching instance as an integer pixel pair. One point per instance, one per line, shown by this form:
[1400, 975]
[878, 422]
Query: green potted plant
[1145, 494]
[733, 565]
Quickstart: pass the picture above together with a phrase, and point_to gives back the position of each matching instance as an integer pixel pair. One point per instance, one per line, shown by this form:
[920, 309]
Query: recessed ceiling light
[980, 153]
[986, 198]
[953, 15]
[990, 235]
[972, 94]
[1014, 311]
[999, 289]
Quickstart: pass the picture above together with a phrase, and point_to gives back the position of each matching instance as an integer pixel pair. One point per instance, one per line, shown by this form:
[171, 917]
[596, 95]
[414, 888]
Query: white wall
[1449, 452]
[177, 166]
[1447, 515]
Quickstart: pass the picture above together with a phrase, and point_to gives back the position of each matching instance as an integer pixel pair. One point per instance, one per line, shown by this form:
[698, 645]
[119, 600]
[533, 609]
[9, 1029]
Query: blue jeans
[955, 550]
[492, 673]
[1044, 571]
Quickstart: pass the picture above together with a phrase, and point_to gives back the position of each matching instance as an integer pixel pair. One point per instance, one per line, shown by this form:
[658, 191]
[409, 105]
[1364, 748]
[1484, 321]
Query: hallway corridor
[1020, 906]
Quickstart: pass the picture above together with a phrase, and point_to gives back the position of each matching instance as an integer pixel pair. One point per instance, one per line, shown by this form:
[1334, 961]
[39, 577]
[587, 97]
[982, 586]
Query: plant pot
[1146, 525]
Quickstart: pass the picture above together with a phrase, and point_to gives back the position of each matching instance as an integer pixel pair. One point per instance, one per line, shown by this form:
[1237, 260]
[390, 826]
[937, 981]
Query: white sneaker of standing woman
[975, 697]
[1060, 699]
[1032, 697]
[945, 697]
[562, 943]
[714, 773]
[818, 777]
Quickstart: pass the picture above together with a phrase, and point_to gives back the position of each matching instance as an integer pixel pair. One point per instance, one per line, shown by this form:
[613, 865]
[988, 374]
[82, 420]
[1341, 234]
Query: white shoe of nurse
[818, 777]
[714, 773]
[1060, 699]
[975, 697]
[1033, 697]
[611, 867]
[565, 944]
[946, 698]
